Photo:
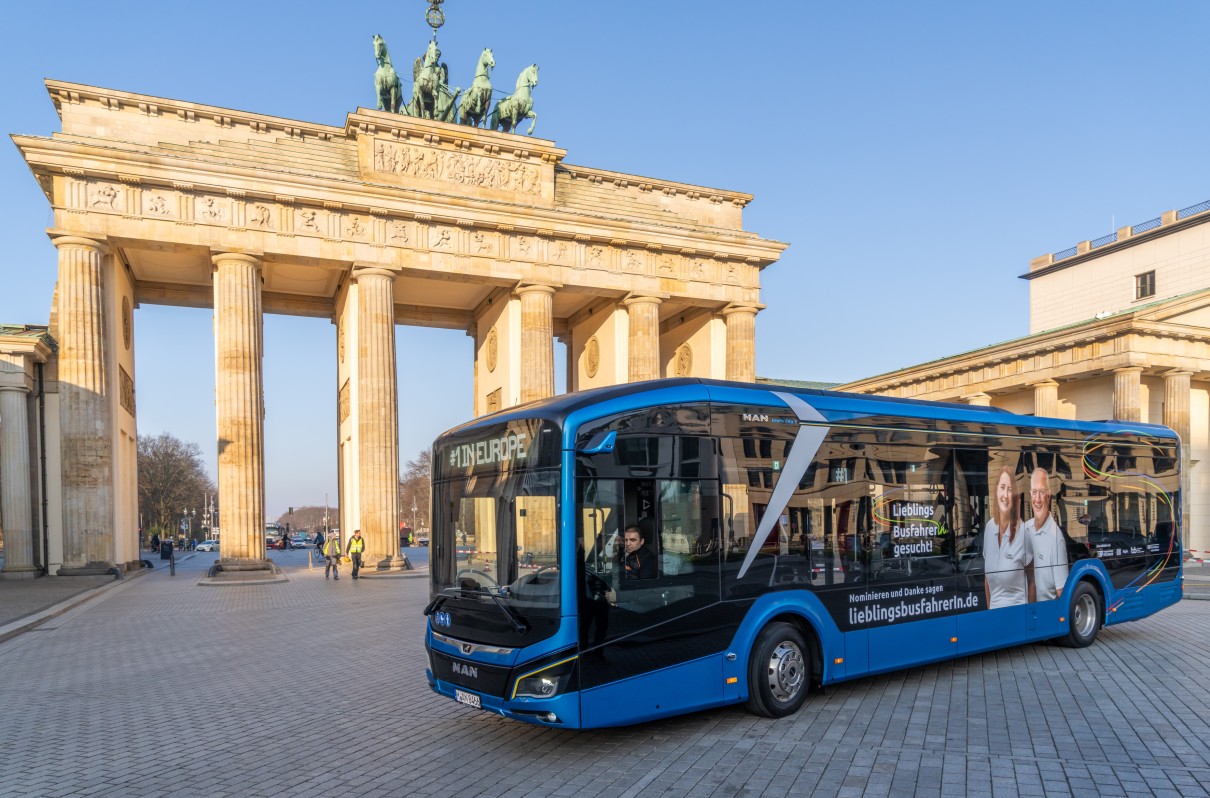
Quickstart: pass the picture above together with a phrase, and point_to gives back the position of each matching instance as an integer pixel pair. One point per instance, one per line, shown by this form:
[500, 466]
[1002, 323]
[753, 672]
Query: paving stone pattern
[316, 688]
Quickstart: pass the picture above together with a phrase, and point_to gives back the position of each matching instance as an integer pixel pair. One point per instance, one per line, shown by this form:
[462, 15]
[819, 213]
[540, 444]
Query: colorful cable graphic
[1093, 471]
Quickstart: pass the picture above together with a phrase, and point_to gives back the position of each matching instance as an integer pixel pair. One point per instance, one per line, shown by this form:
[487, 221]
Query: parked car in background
[208, 545]
[274, 543]
[422, 539]
[299, 541]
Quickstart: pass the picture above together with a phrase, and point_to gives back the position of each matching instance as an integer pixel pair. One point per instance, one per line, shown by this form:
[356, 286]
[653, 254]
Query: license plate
[470, 699]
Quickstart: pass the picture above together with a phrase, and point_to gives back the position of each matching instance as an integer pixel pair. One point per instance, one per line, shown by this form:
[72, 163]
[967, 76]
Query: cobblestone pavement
[316, 688]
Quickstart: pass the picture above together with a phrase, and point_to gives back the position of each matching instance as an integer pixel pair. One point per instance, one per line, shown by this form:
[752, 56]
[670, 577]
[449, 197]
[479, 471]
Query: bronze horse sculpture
[478, 98]
[386, 81]
[518, 105]
[431, 96]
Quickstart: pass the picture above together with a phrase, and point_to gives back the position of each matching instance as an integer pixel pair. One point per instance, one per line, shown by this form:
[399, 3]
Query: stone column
[741, 343]
[1046, 398]
[644, 338]
[15, 503]
[1176, 416]
[1176, 403]
[377, 419]
[1128, 393]
[537, 342]
[84, 419]
[240, 409]
[979, 400]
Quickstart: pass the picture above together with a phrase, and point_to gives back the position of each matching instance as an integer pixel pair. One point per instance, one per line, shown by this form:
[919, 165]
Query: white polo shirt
[1048, 550]
[1004, 562]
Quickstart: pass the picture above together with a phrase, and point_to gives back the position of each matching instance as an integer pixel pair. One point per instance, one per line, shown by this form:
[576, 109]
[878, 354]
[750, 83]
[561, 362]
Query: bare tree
[414, 490]
[171, 479]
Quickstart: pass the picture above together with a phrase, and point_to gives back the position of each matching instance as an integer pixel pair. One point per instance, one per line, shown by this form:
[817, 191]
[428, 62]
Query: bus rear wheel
[1083, 616]
[779, 671]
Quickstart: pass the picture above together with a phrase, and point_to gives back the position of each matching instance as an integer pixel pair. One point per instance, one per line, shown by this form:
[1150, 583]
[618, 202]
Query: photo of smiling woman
[1007, 563]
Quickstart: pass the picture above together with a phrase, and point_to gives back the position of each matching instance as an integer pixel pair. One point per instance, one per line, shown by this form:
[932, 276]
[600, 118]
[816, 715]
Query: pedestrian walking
[357, 545]
[332, 552]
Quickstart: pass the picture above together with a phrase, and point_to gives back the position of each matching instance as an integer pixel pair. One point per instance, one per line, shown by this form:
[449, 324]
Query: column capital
[634, 299]
[742, 308]
[978, 399]
[220, 257]
[534, 288]
[1128, 369]
[60, 240]
[1176, 373]
[15, 376]
[1046, 383]
[373, 271]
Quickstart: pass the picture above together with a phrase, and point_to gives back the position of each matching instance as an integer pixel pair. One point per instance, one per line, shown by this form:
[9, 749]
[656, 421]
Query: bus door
[911, 587]
[650, 624]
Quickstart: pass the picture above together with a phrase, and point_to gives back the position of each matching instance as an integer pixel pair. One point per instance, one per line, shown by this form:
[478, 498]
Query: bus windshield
[495, 520]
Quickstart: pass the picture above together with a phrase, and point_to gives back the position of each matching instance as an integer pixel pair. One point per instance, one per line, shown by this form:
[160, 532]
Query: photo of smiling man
[1045, 541]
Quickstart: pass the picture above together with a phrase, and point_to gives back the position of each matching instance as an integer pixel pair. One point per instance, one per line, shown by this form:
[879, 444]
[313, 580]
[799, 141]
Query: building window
[1144, 285]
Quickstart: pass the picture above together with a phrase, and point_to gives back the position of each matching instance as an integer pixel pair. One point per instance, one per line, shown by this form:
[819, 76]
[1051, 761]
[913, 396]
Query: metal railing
[1193, 210]
[1135, 230]
[1150, 224]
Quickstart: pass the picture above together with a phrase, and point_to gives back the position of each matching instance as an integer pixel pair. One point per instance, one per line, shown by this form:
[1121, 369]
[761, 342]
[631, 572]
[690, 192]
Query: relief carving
[212, 211]
[596, 257]
[104, 197]
[666, 264]
[356, 228]
[483, 243]
[126, 393]
[493, 401]
[399, 233]
[261, 215]
[342, 403]
[525, 245]
[126, 322]
[492, 346]
[455, 167]
[592, 357]
[156, 205]
[634, 262]
[308, 222]
[684, 360]
[441, 238]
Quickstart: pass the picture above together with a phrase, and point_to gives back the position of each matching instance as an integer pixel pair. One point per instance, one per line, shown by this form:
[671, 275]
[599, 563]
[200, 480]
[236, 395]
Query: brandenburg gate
[385, 220]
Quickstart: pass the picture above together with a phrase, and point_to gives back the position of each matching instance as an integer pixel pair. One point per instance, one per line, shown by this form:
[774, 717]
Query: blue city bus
[628, 553]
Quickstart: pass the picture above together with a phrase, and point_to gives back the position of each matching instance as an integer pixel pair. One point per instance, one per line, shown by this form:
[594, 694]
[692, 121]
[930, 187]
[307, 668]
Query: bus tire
[1084, 616]
[779, 671]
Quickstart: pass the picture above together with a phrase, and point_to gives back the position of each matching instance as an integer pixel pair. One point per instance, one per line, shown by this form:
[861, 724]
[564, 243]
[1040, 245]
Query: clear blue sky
[914, 155]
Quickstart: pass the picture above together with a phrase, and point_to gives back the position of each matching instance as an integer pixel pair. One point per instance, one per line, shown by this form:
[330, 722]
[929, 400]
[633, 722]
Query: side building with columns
[381, 222]
[1119, 328]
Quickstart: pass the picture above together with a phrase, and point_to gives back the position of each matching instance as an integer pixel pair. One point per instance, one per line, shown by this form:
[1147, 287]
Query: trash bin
[166, 550]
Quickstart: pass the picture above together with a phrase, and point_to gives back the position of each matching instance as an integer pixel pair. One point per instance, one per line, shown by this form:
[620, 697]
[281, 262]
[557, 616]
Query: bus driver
[638, 562]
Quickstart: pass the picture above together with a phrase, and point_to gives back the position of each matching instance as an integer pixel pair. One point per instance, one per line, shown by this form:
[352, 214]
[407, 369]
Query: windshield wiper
[519, 626]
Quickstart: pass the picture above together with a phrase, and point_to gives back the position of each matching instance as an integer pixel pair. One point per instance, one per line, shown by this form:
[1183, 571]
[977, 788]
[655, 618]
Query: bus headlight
[545, 682]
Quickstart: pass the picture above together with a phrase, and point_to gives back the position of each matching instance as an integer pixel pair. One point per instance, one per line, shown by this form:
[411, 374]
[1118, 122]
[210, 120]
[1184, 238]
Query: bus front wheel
[779, 671]
[1083, 617]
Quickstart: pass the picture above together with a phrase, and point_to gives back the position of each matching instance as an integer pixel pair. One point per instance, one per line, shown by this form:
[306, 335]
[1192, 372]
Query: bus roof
[691, 389]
